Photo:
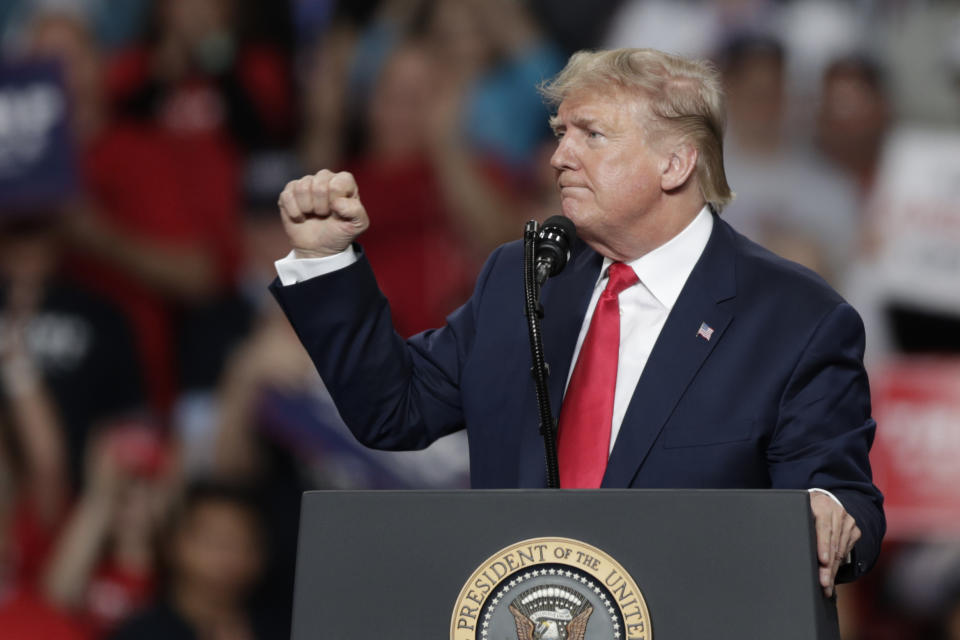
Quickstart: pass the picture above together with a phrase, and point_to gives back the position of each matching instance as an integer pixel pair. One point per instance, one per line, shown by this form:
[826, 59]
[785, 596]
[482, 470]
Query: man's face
[607, 170]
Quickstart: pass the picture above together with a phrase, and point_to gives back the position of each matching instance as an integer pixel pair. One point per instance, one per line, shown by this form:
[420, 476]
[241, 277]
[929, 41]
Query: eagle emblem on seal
[551, 612]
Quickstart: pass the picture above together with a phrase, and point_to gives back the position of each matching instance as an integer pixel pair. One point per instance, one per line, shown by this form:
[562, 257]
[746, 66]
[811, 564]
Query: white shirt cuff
[291, 269]
[824, 491]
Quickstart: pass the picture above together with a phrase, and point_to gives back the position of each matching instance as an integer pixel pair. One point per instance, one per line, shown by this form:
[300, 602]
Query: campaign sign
[37, 162]
[916, 455]
[916, 209]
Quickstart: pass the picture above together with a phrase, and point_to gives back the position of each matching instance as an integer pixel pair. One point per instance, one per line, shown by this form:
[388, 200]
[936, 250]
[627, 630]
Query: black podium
[500, 565]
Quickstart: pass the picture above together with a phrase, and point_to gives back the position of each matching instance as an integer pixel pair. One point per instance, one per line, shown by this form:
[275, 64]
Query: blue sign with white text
[37, 156]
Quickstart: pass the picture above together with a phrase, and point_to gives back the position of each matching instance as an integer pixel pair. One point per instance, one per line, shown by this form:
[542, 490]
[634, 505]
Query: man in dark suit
[686, 356]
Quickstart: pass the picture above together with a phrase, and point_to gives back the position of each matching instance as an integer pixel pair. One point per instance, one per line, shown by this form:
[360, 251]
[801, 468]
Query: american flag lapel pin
[705, 331]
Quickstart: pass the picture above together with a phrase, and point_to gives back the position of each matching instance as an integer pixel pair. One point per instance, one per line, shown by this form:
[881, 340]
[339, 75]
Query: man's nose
[563, 157]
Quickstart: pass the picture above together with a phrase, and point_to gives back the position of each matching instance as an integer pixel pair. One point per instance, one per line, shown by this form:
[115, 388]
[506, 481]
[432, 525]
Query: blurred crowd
[158, 418]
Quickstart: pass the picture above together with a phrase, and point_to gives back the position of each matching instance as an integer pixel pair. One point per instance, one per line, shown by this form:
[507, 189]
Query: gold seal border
[541, 551]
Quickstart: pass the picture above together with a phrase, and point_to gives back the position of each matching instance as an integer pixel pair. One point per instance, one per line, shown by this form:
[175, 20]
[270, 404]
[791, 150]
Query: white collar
[665, 270]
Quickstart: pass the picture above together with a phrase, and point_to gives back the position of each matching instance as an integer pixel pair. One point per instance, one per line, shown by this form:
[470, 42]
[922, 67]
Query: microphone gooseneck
[546, 250]
[554, 240]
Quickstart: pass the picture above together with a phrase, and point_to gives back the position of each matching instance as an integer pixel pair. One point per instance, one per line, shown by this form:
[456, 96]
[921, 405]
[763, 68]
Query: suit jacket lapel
[565, 299]
[677, 355]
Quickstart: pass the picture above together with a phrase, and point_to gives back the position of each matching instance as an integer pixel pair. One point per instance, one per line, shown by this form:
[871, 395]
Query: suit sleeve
[825, 431]
[393, 394]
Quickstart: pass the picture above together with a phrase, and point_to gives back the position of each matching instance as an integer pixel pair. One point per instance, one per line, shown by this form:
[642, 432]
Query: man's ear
[680, 165]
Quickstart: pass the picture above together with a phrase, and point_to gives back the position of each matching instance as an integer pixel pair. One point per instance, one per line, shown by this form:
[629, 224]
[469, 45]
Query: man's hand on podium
[837, 532]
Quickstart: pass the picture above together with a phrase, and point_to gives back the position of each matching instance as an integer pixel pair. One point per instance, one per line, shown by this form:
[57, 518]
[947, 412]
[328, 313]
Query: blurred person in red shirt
[199, 75]
[103, 567]
[440, 208]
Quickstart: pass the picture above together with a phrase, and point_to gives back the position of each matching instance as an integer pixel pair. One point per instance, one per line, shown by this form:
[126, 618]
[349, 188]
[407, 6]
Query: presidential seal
[550, 589]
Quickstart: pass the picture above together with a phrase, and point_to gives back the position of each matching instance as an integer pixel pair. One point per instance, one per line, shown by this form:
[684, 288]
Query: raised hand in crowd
[33, 419]
[104, 566]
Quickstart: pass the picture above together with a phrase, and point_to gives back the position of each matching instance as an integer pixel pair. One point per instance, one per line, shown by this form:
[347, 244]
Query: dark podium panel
[710, 564]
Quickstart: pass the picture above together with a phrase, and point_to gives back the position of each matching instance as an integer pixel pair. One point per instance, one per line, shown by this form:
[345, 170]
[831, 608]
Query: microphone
[553, 246]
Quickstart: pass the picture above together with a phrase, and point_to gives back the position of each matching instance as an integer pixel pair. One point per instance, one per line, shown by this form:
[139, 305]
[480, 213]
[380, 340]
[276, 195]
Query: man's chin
[572, 209]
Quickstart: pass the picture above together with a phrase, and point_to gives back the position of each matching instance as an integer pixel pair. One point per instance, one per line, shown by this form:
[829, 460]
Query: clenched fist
[322, 214]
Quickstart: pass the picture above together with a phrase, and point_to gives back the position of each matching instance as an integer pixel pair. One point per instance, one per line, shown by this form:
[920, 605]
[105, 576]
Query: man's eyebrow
[582, 122]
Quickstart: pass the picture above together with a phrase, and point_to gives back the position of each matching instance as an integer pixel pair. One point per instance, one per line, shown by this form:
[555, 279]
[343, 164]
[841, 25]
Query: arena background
[158, 418]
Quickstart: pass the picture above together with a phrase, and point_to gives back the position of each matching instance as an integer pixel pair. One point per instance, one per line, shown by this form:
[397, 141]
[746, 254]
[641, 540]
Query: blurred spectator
[367, 32]
[214, 552]
[69, 358]
[32, 427]
[785, 198]
[853, 118]
[491, 53]
[753, 68]
[204, 93]
[199, 78]
[495, 54]
[436, 209]
[104, 567]
[34, 486]
[851, 127]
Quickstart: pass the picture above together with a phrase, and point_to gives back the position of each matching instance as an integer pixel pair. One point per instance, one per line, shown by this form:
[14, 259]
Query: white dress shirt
[644, 307]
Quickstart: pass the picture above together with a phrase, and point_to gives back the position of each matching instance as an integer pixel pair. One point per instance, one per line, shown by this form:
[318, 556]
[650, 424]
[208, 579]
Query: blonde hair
[684, 95]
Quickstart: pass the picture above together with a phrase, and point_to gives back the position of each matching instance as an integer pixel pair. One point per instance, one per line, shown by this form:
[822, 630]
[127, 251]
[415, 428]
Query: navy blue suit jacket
[777, 397]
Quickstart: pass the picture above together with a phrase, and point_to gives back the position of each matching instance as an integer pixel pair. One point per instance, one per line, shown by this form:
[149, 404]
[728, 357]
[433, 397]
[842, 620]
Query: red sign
[916, 455]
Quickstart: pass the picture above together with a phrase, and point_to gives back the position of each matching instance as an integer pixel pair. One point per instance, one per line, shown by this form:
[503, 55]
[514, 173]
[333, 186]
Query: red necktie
[587, 411]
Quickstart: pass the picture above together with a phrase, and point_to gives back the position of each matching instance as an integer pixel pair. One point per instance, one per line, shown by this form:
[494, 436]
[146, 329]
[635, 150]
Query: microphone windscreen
[564, 223]
[554, 240]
